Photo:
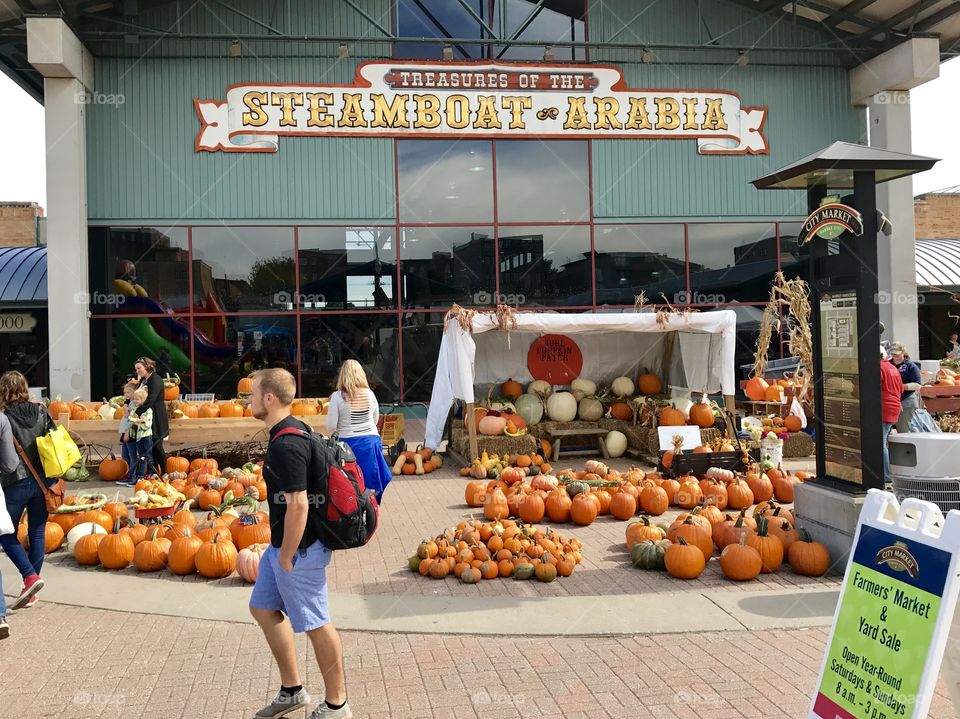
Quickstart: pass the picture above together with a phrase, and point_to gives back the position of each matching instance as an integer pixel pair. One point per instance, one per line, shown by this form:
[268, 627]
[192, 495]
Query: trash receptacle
[923, 465]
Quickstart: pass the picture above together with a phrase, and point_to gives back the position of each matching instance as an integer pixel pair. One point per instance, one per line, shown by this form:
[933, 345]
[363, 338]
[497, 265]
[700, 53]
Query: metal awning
[938, 263]
[23, 277]
[834, 166]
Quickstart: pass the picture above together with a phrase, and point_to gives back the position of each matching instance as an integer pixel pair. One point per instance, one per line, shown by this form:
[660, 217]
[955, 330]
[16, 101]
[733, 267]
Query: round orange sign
[554, 358]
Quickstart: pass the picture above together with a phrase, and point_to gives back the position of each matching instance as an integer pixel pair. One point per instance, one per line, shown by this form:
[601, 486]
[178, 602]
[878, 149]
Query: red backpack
[343, 513]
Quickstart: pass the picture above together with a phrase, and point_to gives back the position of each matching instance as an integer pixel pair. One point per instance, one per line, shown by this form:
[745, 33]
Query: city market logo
[831, 220]
[478, 99]
[899, 559]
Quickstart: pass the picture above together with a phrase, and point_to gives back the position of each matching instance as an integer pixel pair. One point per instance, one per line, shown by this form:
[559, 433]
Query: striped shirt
[353, 418]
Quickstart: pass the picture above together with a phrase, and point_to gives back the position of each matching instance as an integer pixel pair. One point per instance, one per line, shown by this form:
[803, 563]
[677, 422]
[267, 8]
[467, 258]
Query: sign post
[894, 614]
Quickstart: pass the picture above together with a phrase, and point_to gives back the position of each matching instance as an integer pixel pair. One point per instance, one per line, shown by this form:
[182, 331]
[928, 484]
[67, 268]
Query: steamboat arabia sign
[478, 99]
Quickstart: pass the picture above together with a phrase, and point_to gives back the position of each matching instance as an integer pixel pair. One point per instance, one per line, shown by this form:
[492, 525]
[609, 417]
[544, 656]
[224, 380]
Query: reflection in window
[138, 270]
[440, 19]
[550, 21]
[371, 339]
[445, 180]
[547, 265]
[422, 332]
[732, 262]
[631, 259]
[443, 265]
[793, 256]
[543, 181]
[346, 267]
[243, 268]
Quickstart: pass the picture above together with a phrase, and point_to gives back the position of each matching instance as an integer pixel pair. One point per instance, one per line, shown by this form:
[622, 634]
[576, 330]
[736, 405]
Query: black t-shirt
[285, 469]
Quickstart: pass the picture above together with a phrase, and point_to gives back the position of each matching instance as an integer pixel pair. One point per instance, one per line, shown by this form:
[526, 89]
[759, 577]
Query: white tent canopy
[613, 344]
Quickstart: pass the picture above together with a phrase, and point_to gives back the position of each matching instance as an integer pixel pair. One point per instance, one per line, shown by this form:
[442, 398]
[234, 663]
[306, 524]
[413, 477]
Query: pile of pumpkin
[492, 466]
[474, 550]
[216, 544]
[760, 390]
[749, 543]
[419, 461]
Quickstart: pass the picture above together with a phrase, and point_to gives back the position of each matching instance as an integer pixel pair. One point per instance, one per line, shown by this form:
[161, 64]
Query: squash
[561, 407]
[492, 426]
[615, 443]
[622, 387]
[590, 409]
[649, 554]
[756, 389]
[530, 407]
[540, 387]
[649, 384]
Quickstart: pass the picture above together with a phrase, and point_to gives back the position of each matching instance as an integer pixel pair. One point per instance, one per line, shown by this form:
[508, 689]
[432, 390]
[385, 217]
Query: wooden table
[557, 435]
[940, 398]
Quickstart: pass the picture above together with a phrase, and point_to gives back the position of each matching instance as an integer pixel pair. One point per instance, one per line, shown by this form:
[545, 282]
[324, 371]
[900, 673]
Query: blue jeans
[143, 458]
[128, 450]
[887, 426]
[21, 495]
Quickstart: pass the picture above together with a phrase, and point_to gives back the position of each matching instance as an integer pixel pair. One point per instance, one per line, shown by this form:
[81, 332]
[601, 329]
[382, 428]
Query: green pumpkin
[413, 564]
[533, 470]
[469, 577]
[523, 571]
[648, 555]
[493, 473]
[575, 488]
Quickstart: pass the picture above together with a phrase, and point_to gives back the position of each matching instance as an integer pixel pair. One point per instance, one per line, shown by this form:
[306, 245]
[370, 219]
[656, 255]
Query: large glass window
[793, 256]
[443, 265]
[138, 270]
[242, 269]
[732, 262]
[422, 332]
[445, 180]
[543, 181]
[346, 268]
[550, 21]
[371, 339]
[545, 265]
[631, 259]
[440, 19]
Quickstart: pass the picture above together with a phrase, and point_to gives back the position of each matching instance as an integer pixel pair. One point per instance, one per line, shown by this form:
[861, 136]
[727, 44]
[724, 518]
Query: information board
[841, 386]
[895, 609]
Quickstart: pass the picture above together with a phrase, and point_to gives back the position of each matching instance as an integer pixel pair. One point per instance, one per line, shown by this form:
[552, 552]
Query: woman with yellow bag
[21, 487]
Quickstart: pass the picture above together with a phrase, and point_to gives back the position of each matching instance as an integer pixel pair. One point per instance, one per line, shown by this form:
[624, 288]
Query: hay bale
[798, 444]
[460, 442]
[572, 441]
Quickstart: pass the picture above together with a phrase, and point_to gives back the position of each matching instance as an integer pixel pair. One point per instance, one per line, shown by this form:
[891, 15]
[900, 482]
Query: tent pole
[472, 431]
[667, 358]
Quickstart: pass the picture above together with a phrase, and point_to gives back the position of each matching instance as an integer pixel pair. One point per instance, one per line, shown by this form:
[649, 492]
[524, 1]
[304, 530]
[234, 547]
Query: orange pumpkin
[231, 409]
[671, 417]
[792, 423]
[702, 415]
[756, 389]
[245, 386]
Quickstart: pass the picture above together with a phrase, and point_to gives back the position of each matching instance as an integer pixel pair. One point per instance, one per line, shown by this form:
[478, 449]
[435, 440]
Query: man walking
[291, 590]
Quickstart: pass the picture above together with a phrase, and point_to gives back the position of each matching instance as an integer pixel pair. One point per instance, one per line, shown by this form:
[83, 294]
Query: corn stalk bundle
[794, 296]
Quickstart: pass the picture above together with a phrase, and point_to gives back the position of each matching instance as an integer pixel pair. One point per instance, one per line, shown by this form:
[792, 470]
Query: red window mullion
[398, 291]
[190, 339]
[496, 225]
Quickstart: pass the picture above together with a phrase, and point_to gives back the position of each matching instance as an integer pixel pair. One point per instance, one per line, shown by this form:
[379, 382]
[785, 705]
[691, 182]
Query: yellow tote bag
[58, 452]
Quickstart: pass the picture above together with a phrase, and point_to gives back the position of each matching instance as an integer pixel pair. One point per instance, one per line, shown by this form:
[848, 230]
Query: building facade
[348, 227]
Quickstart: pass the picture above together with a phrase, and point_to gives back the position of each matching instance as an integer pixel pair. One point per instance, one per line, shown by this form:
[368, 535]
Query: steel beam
[245, 16]
[928, 23]
[473, 13]
[369, 19]
[847, 12]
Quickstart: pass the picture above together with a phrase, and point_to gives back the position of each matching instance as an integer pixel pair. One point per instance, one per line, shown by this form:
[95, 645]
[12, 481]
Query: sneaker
[31, 601]
[325, 712]
[126, 483]
[4, 628]
[283, 705]
[31, 586]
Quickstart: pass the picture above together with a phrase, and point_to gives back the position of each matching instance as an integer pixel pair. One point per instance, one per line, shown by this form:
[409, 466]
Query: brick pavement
[77, 663]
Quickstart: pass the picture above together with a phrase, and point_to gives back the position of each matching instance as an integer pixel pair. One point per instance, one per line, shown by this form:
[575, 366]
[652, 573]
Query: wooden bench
[557, 435]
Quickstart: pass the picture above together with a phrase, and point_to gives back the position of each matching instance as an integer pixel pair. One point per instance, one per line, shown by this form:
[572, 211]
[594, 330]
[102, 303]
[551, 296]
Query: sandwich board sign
[894, 614]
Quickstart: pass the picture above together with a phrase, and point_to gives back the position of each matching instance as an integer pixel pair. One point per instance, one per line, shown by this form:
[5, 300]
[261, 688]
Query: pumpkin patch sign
[556, 359]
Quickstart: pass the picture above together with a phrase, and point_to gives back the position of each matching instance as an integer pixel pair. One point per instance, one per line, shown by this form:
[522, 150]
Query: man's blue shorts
[300, 594]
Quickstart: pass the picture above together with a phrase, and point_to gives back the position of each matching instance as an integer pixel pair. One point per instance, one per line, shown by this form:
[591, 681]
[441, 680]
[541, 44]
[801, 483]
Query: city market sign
[478, 99]
[832, 220]
[17, 322]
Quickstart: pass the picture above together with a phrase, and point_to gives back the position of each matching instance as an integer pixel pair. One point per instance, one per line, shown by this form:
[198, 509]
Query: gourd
[650, 554]
[561, 407]
[622, 387]
[530, 407]
[590, 409]
[248, 562]
[540, 387]
[615, 443]
[586, 386]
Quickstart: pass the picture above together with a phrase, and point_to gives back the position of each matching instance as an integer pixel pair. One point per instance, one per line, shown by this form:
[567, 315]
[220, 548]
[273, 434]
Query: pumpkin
[756, 389]
[649, 384]
[623, 505]
[809, 558]
[558, 505]
[183, 551]
[511, 390]
[649, 554]
[67, 521]
[590, 409]
[150, 555]
[190, 411]
[540, 387]
[561, 407]
[303, 409]
[545, 572]
[689, 495]
[532, 508]
[216, 558]
[683, 560]
[615, 443]
[85, 551]
[248, 561]
[116, 508]
[784, 531]
[715, 494]
[730, 531]
[495, 505]
[100, 517]
[622, 387]
[740, 562]
[492, 426]
[475, 493]
[116, 550]
[739, 495]
[654, 500]
[671, 417]
[583, 386]
[245, 386]
[694, 533]
[760, 485]
[641, 531]
[251, 530]
[621, 411]
[231, 409]
[793, 423]
[783, 487]
[702, 415]
[58, 407]
[112, 469]
[530, 408]
[204, 463]
[81, 530]
[178, 464]
[769, 547]
[773, 393]
[583, 509]
[208, 411]
[209, 498]
[671, 487]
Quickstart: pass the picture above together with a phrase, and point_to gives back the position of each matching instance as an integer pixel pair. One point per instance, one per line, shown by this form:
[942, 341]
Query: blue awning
[23, 276]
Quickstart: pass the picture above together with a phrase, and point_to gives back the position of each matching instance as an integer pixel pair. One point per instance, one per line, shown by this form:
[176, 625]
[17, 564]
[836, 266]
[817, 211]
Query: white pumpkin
[506, 407]
[583, 385]
[616, 443]
[561, 407]
[590, 409]
[578, 394]
[540, 386]
[530, 407]
[622, 387]
[73, 536]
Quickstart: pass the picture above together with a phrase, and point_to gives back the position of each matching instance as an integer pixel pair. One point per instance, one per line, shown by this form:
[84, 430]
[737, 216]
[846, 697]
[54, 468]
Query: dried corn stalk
[663, 316]
[949, 422]
[794, 295]
[506, 317]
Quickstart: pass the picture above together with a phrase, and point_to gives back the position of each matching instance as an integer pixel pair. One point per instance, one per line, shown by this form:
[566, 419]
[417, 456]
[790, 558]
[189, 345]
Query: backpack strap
[288, 431]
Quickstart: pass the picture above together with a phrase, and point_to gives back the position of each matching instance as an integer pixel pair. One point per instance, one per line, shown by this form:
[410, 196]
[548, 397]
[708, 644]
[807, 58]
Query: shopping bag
[58, 452]
[921, 421]
[6, 524]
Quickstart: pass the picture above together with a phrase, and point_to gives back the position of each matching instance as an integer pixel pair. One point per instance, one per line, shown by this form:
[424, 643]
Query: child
[141, 431]
[128, 447]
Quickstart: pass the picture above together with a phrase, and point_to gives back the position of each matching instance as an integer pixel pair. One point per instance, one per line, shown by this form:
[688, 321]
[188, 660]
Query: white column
[67, 67]
[889, 114]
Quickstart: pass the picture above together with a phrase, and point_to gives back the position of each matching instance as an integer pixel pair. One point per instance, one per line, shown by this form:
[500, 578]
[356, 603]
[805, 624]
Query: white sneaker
[325, 712]
[283, 705]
